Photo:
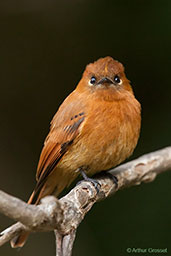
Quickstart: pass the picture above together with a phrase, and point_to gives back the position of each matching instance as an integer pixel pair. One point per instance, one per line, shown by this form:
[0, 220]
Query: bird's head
[105, 73]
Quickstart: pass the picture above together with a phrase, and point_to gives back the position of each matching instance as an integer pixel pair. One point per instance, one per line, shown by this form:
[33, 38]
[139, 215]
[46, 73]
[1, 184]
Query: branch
[66, 214]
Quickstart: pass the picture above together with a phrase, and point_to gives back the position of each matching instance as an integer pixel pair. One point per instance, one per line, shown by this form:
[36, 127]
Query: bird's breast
[107, 137]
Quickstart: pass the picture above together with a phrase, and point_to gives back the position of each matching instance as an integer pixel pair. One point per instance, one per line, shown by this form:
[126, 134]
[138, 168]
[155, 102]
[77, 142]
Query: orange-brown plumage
[96, 127]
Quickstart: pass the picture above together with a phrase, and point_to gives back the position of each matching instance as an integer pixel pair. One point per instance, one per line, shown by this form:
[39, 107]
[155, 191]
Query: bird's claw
[113, 178]
[95, 183]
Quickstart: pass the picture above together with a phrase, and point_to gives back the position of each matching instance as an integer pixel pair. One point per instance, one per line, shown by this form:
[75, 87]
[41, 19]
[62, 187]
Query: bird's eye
[117, 79]
[92, 80]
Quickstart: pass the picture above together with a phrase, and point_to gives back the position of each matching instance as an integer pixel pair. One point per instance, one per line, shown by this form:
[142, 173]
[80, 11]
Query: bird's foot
[95, 183]
[112, 177]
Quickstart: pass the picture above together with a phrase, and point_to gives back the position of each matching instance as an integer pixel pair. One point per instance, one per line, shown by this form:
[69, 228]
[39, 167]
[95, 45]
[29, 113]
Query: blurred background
[44, 48]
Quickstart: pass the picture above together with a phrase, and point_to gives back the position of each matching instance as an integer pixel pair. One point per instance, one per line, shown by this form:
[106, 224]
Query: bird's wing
[65, 127]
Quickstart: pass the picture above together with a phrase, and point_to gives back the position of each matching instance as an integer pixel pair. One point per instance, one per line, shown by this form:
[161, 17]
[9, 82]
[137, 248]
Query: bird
[96, 128]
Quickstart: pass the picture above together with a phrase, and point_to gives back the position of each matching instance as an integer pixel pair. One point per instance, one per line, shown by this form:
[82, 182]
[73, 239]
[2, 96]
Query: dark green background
[44, 47]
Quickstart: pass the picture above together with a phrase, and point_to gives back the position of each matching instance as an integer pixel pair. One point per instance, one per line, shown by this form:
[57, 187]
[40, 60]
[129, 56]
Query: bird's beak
[105, 80]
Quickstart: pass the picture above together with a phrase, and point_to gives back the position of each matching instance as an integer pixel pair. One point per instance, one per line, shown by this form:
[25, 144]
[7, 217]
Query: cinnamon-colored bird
[96, 128]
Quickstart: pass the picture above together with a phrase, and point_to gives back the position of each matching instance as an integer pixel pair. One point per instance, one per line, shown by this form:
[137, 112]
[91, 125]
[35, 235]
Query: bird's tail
[53, 186]
[19, 241]
[38, 193]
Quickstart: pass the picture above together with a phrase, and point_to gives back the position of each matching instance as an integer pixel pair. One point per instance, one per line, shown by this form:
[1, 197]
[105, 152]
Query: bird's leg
[95, 183]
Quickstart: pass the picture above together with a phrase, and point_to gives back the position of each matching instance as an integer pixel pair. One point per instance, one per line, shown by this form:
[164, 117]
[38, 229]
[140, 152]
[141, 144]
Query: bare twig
[34, 217]
[64, 244]
[65, 215]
